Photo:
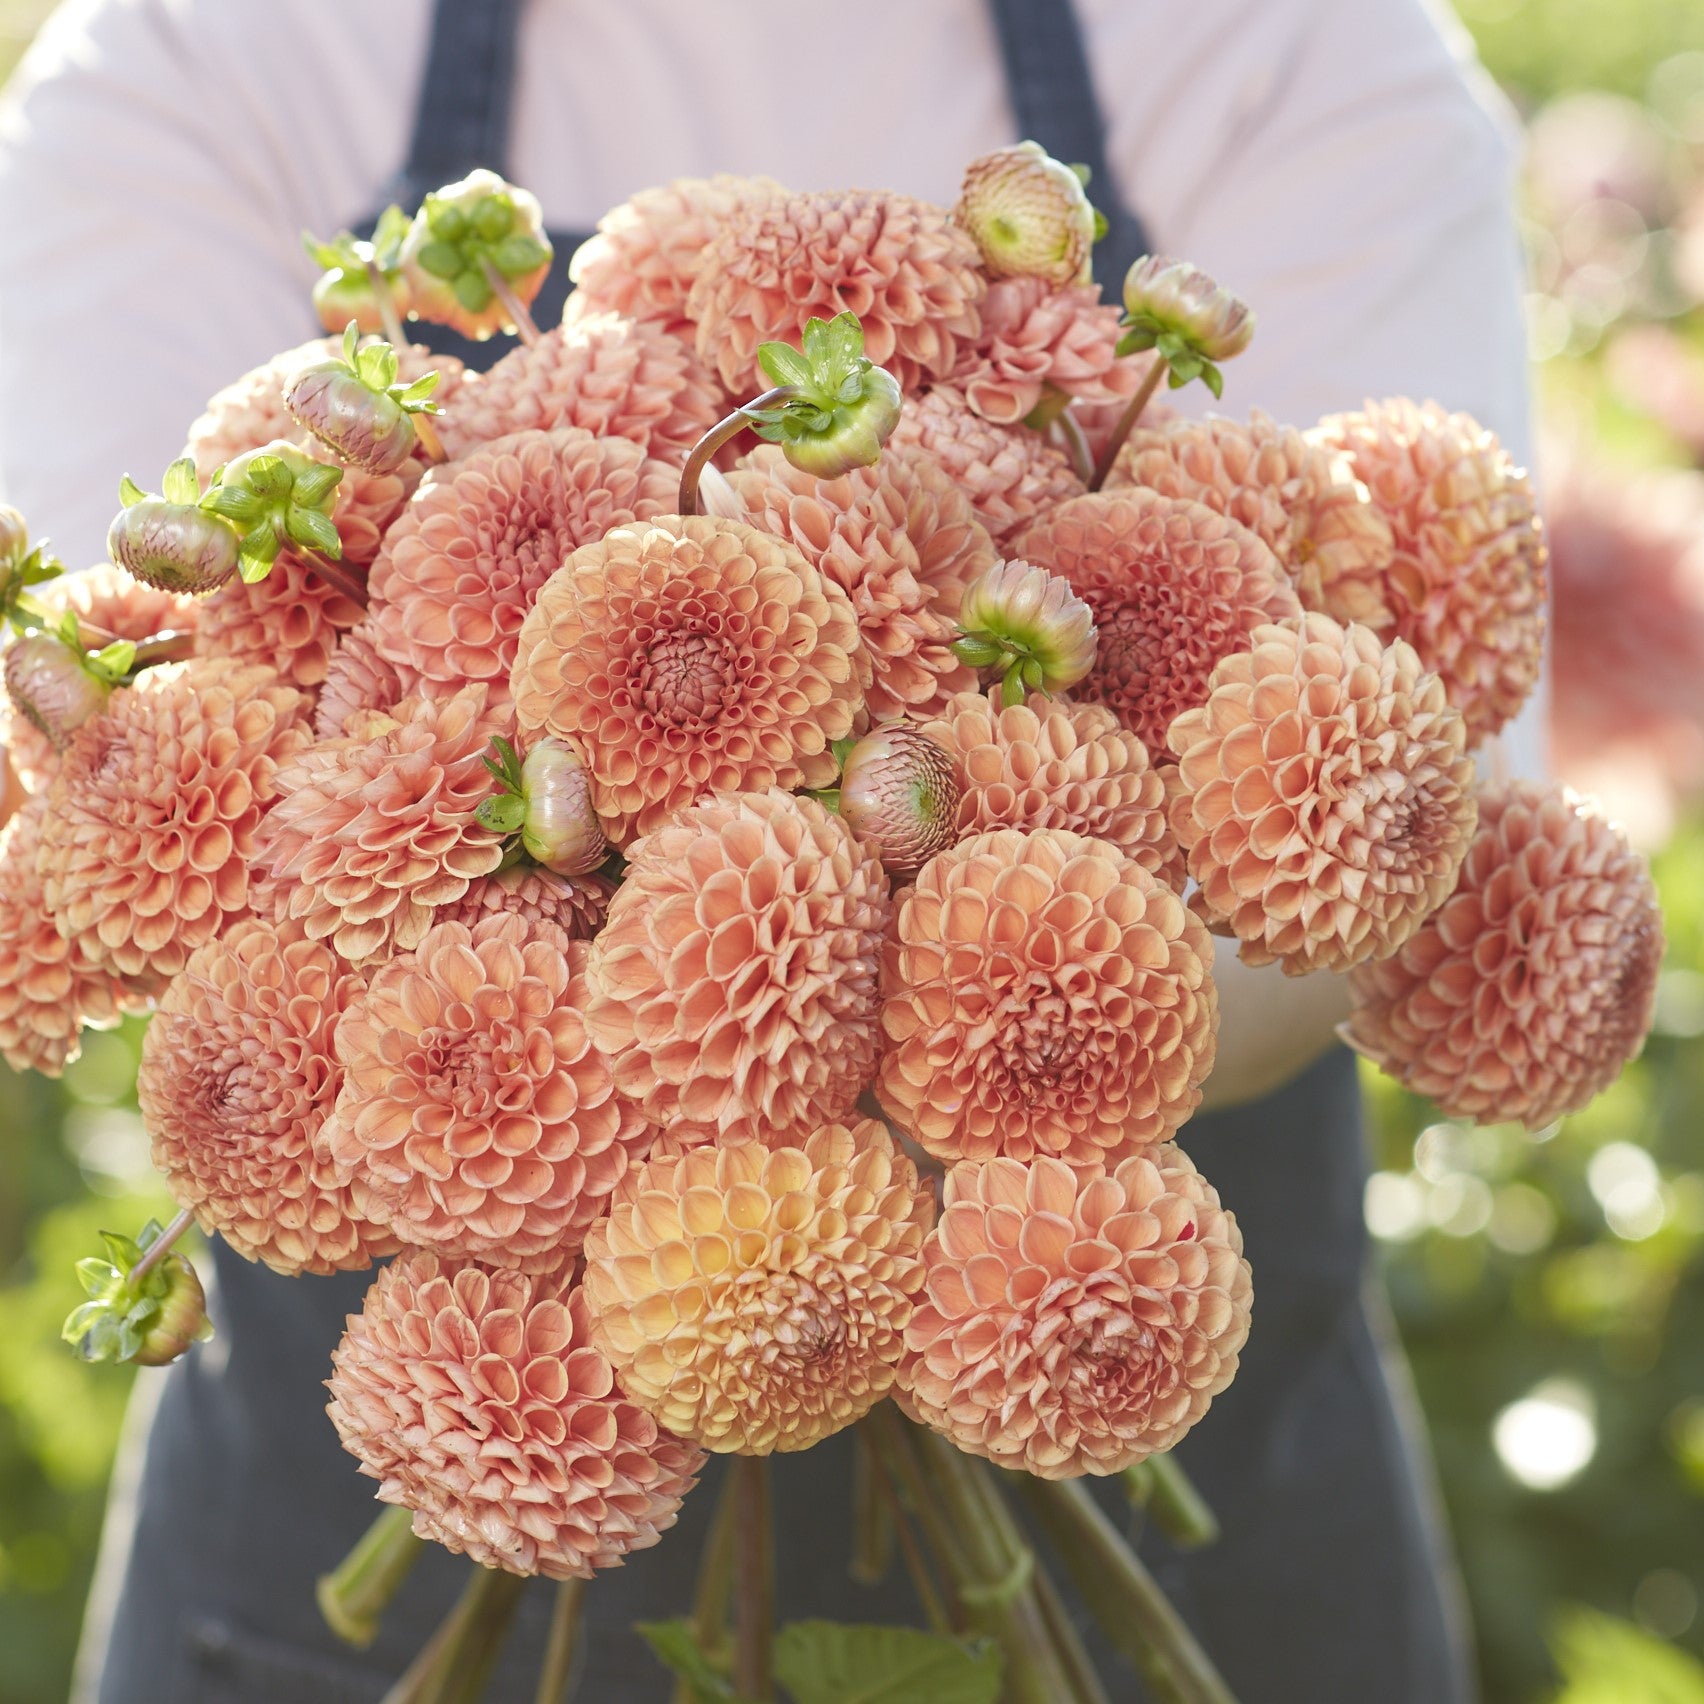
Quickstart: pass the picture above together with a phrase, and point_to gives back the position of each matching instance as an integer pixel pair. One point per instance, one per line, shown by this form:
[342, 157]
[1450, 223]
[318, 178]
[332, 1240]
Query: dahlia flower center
[798, 1327]
[467, 1071]
[1112, 1359]
[685, 677]
[1395, 826]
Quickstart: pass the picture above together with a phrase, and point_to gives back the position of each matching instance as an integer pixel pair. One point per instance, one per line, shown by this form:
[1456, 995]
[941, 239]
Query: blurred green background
[1550, 1289]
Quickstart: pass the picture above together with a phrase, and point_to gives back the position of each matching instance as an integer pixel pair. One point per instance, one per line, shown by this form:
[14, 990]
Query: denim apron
[1330, 1585]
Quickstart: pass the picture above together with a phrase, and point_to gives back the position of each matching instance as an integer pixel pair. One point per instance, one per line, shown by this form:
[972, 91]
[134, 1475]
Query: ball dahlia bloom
[646, 253]
[910, 275]
[1174, 586]
[1324, 797]
[1010, 474]
[612, 377]
[1038, 340]
[371, 835]
[51, 987]
[1290, 490]
[1076, 1320]
[108, 598]
[736, 980]
[1466, 583]
[476, 1398]
[1047, 763]
[358, 681]
[462, 566]
[478, 1116]
[686, 655]
[1044, 995]
[237, 1078]
[902, 541]
[756, 1299]
[293, 621]
[577, 905]
[1525, 994]
[156, 811]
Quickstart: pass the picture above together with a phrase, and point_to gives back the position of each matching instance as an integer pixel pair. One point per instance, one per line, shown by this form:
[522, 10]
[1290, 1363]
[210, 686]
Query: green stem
[394, 334]
[872, 1515]
[729, 426]
[1127, 421]
[356, 1592]
[453, 1665]
[335, 574]
[1085, 1683]
[916, 1564]
[160, 1247]
[169, 647]
[525, 324]
[754, 1568]
[1178, 1509]
[564, 1638]
[1076, 445]
[715, 1587]
[1122, 1595]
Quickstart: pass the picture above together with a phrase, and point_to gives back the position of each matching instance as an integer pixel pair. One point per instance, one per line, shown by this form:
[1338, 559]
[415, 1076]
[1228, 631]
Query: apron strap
[461, 119]
[1053, 99]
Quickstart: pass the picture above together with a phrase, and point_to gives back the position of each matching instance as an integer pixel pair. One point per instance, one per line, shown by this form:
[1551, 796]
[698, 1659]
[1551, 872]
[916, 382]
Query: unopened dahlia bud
[276, 496]
[560, 827]
[51, 687]
[14, 535]
[844, 407]
[465, 227]
[171, 541]
[1028, 214]
[1028, 626]
[356, 408]
[150, 1320]
[345, 289]
[1193, 322]
[899, 793]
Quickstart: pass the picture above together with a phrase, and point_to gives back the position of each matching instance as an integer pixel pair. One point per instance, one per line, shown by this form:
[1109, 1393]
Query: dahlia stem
[1070, 428]
[999, 1593]
[525, 324]
[562, 1643]
[1161, 1487]
[1085, 1683]
[714, 1590]
[357, 1591]
[1122, 1595]
[93, 636]
[160, 1247]
[464, 1649]
[394, 334]
[872, 1515]
[171, 646]
[335, 575]
[429, 439]
[729, 426]
[754, 1565]
[1127, 421]
[916, 1564]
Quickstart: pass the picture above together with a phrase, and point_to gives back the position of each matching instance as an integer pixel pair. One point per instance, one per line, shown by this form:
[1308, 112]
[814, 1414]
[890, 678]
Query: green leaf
[129, 492]
[502, 813]
[96, 1275]
[823, 1662]
[782, 364]
[180, 484]
[308, 527]
[1606, 1661]
[674, 1646]
[441, 259]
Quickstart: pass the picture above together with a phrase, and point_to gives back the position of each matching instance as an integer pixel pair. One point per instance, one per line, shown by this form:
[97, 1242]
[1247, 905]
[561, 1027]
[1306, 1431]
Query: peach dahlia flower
[475, 1397]
[1076, 1320]
[1044, 995]
[756, 1299]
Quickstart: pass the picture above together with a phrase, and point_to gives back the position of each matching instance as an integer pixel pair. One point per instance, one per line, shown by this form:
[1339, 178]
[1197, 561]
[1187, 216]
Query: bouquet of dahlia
[699, 846]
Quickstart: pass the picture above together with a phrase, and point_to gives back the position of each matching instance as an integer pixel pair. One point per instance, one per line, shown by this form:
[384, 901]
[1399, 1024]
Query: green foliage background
[1505, 1272]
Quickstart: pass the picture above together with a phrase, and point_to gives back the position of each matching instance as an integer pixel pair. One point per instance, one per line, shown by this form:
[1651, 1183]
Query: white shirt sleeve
[153, 188]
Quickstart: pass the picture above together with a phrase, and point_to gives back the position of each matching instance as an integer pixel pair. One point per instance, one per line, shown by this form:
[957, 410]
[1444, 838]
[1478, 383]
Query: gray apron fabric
[1330, 1585]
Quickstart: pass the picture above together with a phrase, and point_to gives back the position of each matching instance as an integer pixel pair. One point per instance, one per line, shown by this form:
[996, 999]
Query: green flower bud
[1028, 214]
[355, 407]
[151, 1321]
[842, 407]
[1027, 624]
[276, 497]
[14, 535]
[178, 547]
[458, 230]
[51, 686]
[559, 827]
[1193, 323]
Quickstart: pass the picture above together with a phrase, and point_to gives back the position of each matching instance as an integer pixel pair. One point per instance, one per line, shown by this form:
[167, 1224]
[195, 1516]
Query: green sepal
[267, 476]
[473, 290]
[979, 651]
[375, 366]
[113, 662]
[94, 1274]
[445, 219]
[129, 492]
[234, 503]
[1012, 688]
[493, 217]
[1213, 379]
[313, 530]
[441, 259]
[256, 552]
[315, 484]
[415, 398]
[782, 364]
[505, 767]
[1031, 673]
[1083, 173]
[842, 749]
[1101, 226]
[389, 233]
[502, 813]
[180, 484]
[1137, 339]
[515, 256]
